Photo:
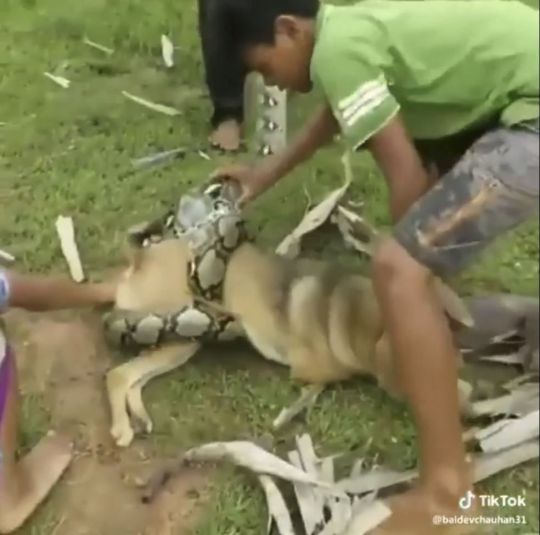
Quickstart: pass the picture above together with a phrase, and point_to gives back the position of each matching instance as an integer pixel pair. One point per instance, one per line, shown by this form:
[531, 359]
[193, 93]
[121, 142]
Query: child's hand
[105, 292]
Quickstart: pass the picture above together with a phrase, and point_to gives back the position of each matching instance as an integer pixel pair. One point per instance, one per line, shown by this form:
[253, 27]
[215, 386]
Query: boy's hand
[318, 131]
[252, 180]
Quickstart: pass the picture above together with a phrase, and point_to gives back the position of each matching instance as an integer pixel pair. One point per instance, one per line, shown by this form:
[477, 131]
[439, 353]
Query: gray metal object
[267, 109]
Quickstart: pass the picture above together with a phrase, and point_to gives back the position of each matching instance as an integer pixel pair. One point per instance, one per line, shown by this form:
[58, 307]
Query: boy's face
[286, 63]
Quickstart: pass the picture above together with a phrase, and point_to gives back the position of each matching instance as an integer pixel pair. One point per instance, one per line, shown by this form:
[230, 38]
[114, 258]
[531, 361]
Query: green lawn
[68, 151]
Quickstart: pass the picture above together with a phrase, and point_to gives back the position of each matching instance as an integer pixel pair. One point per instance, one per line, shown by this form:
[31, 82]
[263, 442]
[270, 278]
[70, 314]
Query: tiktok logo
[467, 500]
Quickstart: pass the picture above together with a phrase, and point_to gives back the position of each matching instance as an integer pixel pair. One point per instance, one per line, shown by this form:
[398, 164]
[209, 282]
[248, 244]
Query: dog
[194, 275]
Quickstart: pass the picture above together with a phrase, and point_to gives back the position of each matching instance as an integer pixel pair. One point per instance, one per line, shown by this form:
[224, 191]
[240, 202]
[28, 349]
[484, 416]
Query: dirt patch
[65, 360]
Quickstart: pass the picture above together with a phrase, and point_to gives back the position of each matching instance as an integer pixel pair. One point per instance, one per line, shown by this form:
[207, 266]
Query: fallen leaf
[512, 359]
[509, 432]
[248, 455]
[307, 399]
[66, 234]
[167, 51]
[278, 513]
[310, 501]
[6, 257]
[59, 80]
[368, 517]
[355, 231]
[97, 46]
[314, 218]
[159, 158]
[488, 464]
[520, 401]
[160, 108]
[375, 479]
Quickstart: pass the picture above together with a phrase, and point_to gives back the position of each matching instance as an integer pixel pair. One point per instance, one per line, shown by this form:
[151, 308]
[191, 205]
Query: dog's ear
[453, 305]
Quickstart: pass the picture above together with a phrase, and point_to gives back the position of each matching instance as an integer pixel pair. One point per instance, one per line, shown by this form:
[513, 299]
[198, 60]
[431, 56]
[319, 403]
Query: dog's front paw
[122, 435]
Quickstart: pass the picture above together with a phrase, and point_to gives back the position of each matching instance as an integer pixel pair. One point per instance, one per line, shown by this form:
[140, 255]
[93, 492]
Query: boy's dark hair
[251, 22]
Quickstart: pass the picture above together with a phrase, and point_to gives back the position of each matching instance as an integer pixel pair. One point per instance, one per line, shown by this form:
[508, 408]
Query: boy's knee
[393, 267]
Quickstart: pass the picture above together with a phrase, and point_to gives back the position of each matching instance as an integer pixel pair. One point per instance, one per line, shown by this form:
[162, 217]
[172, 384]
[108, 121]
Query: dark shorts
[492, 189]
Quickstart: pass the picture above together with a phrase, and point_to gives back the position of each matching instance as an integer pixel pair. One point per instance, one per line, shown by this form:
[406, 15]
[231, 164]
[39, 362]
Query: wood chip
[307, 399]
[66, 234]
[314, 218]
[59, 80]
[279, 517]
[507, 433]
[160, 108]
[167, 51]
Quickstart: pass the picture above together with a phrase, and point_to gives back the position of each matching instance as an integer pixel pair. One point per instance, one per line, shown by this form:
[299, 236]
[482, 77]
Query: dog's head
[210, 220]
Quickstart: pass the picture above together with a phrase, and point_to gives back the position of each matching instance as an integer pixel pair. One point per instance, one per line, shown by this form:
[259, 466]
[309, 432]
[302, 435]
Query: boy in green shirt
[444, 94]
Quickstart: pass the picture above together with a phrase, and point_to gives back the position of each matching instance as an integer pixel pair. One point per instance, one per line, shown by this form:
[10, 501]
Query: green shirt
[446, 66]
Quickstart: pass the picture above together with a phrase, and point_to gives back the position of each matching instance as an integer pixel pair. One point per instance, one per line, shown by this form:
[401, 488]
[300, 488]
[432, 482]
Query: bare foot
[37, 473]
[226, 136]
[419, 512]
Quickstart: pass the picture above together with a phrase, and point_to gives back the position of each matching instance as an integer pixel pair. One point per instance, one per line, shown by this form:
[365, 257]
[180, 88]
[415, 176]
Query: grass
[68, 152]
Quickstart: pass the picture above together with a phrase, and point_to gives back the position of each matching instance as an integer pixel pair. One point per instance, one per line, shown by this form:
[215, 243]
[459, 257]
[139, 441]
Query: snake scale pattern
[210, 222]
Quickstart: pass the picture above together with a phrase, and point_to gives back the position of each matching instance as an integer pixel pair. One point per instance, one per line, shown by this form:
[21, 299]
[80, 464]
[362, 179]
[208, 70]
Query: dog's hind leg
[139, 371]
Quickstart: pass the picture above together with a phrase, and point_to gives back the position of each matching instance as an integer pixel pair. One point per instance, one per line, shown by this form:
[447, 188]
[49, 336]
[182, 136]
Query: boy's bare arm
[318, 131]
[39, 292]
[401, 165]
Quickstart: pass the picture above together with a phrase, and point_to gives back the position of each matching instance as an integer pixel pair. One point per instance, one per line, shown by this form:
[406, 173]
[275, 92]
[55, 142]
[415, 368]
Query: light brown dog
[321, 321]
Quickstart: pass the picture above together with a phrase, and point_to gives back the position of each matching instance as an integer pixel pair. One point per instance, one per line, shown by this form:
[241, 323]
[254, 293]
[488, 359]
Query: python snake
[210, 222]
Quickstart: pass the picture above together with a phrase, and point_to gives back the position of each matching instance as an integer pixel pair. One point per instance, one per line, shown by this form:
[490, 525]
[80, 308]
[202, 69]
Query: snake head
[207, 204]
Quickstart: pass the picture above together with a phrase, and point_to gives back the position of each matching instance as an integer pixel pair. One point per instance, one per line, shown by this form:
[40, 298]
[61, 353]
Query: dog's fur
[323, 323]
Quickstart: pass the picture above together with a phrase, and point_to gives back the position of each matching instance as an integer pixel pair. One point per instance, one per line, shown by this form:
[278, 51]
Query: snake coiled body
[209, 222]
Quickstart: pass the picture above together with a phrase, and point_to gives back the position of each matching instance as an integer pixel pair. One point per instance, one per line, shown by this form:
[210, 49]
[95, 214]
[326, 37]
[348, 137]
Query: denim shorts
[491, 189]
